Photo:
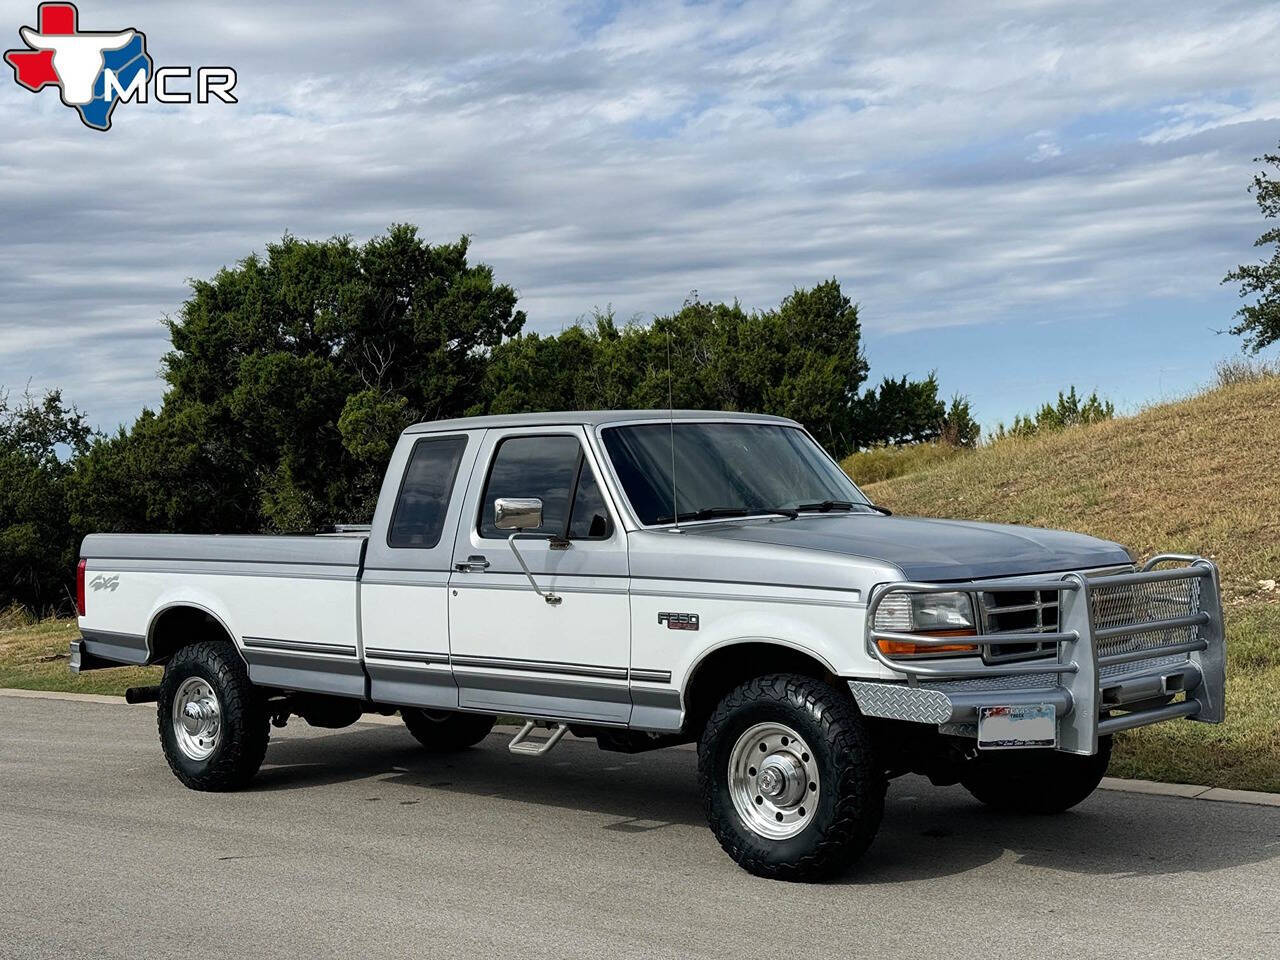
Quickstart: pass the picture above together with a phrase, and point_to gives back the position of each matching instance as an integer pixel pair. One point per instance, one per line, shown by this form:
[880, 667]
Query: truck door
[404, 590]
[564, 653]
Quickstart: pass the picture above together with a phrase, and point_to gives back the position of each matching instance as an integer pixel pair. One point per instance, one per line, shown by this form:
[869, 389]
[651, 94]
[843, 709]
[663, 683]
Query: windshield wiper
[715, 513]
[826, 506]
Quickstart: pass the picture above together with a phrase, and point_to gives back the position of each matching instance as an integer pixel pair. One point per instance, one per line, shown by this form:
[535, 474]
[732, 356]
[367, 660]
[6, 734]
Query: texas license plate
[1017, 727]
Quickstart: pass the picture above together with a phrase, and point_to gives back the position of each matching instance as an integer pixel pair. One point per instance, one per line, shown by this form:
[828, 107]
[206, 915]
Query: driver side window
[553, 469]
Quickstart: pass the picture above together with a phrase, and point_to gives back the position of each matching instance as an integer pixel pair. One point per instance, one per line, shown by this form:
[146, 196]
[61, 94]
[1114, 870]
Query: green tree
[801, 360]
[39, 437]
[290, 376]
[959, 429]
[1260, 322]
[901, 411]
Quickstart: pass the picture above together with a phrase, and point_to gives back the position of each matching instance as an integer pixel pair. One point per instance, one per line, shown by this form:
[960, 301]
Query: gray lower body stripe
[293, 646]
[117, 647]
[651, 676]
[529, 666]
[414, 685]
[406, 655]
[290, 670]
[541, 666]
[565, 698]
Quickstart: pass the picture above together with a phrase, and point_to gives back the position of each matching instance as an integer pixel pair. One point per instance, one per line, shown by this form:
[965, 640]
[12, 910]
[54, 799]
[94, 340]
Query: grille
[1021, 611]
[1135, 604]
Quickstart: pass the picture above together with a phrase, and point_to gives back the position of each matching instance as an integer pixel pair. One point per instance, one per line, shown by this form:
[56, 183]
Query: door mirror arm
[551, 598]
[521, 514]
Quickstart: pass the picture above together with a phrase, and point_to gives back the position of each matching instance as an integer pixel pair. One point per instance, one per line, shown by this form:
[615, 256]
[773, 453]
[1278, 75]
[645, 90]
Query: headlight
[937, 614]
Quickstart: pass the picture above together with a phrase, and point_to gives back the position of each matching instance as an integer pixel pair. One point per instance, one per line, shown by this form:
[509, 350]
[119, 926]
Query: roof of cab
[589, 418]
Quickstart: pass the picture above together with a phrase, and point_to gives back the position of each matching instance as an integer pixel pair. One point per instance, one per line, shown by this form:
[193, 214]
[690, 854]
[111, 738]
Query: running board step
[521, 743]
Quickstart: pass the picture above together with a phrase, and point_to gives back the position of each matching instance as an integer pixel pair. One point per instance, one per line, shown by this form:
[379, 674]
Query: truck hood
[925, 549]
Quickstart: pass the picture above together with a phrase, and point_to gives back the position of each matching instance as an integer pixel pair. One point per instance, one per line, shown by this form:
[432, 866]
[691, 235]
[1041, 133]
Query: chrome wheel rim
[773, 781]
[197, 719]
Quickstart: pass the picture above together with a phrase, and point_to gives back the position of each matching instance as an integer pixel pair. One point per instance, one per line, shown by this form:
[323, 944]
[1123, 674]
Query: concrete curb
[1185, 791]
[1191, 791]
[58, 695]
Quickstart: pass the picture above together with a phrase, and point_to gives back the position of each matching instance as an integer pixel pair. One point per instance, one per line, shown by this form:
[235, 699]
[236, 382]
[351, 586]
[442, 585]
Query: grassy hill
[1197, 476]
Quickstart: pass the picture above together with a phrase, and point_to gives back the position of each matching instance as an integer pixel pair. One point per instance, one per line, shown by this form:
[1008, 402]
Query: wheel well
[726, 668]
[177, 627]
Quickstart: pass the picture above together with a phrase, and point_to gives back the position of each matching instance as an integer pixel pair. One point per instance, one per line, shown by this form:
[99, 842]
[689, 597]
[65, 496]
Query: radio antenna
[671, 410]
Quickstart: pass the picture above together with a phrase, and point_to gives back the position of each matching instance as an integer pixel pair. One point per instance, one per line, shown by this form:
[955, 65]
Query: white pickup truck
[648, 579]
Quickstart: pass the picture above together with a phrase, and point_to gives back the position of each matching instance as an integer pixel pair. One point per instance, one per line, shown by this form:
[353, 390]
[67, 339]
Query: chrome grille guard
[1088, 651]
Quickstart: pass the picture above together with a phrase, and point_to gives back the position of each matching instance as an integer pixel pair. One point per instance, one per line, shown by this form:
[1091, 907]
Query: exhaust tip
[142, 695]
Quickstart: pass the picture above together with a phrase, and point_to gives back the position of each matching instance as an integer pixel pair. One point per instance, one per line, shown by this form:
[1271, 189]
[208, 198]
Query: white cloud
[949, 163]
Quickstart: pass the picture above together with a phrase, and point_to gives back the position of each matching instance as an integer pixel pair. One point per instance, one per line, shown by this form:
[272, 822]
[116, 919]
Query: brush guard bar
[1102, 682]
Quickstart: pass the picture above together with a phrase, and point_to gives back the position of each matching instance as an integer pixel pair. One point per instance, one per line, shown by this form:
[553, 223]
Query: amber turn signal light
[905, 648]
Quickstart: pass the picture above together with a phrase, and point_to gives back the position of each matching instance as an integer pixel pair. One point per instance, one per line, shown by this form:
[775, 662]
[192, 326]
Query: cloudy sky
[1021, 195]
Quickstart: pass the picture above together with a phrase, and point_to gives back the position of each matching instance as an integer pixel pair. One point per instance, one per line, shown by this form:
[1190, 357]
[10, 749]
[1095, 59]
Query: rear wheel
[444, 731]
[1036, 781]
[789, 778]
[213, 721]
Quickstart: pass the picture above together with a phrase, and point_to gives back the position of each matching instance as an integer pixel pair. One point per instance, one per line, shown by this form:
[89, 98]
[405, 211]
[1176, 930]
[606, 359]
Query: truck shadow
[928, 832]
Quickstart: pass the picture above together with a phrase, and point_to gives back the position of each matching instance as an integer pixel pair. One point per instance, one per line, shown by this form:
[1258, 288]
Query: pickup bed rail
[1128, 644]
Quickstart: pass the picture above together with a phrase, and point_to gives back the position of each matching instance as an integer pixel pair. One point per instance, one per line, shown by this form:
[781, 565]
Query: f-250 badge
[679, 621]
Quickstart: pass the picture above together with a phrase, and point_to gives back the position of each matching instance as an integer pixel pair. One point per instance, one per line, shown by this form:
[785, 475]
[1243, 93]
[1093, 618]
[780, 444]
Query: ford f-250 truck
[648, 579]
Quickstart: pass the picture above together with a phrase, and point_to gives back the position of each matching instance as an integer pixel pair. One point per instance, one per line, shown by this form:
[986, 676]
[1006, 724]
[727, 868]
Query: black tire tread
[860, 783]
[245, 721]
[456, 732]
[1036, 782]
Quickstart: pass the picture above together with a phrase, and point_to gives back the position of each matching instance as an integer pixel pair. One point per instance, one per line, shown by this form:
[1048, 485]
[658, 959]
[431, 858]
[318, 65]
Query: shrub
[1069, 411]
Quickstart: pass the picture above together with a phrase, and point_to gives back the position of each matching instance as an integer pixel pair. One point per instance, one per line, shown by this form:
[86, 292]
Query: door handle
[473, 564]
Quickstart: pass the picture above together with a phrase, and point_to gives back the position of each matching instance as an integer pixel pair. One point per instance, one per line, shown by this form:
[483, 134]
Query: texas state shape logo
[90, 68]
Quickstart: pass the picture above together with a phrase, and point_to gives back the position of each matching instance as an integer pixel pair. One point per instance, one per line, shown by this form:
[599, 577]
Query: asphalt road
[355, 844]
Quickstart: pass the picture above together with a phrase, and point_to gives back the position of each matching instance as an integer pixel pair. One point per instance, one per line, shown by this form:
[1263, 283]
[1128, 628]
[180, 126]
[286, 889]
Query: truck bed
[300, 632]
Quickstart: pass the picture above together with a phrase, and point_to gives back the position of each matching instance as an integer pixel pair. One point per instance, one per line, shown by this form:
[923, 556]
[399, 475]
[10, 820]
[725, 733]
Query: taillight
[80, 587]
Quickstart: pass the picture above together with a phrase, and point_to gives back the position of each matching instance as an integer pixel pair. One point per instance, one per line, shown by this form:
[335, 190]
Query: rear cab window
[425, 491]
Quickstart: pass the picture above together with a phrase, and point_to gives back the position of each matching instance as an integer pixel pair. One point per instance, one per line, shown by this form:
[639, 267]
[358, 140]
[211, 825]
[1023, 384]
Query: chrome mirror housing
[517, 513]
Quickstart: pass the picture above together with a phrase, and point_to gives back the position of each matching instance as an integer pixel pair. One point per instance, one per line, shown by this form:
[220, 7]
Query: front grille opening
[1019, 611]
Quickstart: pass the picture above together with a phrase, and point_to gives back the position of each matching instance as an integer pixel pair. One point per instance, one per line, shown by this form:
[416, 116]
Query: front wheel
[789, 778]
[1036, 781]
[213, 721]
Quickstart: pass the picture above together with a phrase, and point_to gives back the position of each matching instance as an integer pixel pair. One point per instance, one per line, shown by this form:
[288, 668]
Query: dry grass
[885, 463]
[1245, 369]
[1198, 476]
[34, 656]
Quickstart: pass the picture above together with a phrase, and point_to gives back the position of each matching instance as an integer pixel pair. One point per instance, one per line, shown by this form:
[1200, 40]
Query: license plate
[1018, 727]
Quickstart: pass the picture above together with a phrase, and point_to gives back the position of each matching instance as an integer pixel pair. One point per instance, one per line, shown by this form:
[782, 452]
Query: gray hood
[928, 550]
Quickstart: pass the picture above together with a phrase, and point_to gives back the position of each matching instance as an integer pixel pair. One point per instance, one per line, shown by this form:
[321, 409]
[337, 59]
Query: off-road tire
[242, 742]
[1036, 781]
[851, 799]
[446, 731]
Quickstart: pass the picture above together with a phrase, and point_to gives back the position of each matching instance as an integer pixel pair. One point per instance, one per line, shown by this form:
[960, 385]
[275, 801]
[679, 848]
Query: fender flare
[159, 611]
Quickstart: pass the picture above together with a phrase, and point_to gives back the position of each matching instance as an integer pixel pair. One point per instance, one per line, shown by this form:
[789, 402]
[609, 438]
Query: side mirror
[517, 513]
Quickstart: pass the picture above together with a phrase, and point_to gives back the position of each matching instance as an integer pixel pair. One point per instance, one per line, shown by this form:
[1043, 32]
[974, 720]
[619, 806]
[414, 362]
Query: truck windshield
[724, 470]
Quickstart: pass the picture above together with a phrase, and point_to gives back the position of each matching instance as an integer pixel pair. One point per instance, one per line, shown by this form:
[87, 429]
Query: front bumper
[1133, 649]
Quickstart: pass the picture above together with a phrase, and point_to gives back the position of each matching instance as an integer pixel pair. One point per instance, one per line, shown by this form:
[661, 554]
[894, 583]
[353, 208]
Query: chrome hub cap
[773, 781]
[197, 719]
